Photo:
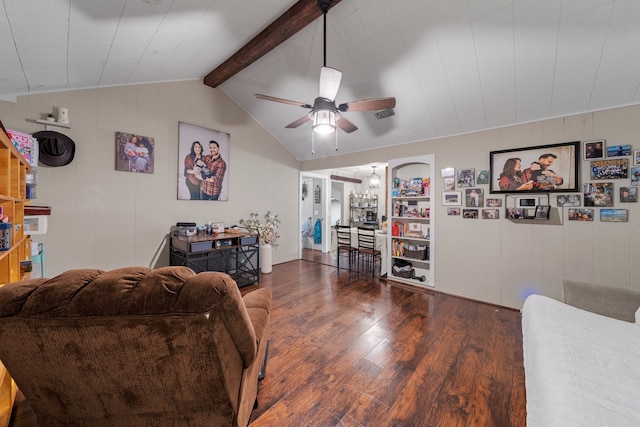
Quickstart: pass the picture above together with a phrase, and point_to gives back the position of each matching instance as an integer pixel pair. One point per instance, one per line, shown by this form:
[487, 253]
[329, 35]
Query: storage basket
[402, 268]
[416, 251]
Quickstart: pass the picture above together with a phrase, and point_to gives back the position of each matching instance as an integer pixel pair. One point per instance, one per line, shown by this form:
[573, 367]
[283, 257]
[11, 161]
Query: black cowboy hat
[55, 148]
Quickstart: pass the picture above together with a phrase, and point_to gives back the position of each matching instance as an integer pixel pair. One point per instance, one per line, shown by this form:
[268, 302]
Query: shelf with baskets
[364, 210]
[411, 223]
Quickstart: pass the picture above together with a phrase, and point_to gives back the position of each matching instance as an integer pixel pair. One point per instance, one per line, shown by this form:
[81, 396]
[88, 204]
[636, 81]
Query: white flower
[268, 230]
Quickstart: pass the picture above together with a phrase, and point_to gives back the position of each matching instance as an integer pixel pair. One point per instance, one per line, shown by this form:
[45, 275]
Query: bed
[581, 368]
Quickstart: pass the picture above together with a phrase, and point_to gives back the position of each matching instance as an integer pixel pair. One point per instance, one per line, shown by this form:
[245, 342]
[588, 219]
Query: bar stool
[367, 248]
[343, 234]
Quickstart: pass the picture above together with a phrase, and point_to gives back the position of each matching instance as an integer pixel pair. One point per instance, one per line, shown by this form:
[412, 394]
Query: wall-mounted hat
[56, 149]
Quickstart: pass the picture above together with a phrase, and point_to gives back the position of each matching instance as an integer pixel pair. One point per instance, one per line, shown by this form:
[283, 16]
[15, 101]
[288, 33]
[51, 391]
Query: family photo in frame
[538, 169]
[203, 163]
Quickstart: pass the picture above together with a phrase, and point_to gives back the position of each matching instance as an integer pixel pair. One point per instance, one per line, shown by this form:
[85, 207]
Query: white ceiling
[455, 66]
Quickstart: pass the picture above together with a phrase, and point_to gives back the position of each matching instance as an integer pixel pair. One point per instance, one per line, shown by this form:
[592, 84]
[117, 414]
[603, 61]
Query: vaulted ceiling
[455, 66]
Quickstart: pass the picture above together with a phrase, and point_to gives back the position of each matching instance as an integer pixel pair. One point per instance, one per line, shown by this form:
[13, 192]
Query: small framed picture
[474, 197]
[515, 213]
[494, 203]
[614, 215]
[618, 150]
[470, 213]
[483, 177]
[453, 211]
[466, 178]
[598, 194]
[568, 200]
[449, 184]
[635, 176]
[542, 212]
[628, 194]
[610, 169]
[451, 198]
[594, 149]
[636, 157]
[490, 213]
[448, 172]
[580, 214]
[528, 202]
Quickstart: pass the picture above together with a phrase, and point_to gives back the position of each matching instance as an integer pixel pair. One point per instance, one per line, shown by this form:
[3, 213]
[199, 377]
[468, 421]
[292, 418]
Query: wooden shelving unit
[13, 170]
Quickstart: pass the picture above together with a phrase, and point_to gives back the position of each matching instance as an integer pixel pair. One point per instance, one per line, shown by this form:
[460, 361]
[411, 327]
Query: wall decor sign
[539, 169]
[134, 153]
[203, 163]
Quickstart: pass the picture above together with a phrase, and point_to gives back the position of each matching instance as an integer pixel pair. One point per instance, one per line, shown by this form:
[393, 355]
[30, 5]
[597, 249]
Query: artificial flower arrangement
[268, 230]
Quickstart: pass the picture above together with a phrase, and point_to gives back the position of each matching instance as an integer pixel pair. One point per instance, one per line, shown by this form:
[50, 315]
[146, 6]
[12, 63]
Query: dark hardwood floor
[350, 350]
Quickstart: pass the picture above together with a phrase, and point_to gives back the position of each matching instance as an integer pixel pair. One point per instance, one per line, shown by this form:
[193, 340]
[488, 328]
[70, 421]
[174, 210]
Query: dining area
[360, 249]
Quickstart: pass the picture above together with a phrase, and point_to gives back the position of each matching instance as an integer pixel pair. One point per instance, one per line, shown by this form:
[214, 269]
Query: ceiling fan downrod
[324, 6]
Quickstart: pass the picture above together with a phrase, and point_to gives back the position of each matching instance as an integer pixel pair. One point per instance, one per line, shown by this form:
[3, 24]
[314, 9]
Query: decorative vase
[266, 258]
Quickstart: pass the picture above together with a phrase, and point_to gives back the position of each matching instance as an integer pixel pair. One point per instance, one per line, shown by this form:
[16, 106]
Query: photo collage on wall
[552, 170]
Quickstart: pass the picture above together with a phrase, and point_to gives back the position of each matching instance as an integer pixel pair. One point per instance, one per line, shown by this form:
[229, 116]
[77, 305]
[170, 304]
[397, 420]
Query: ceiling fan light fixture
[374, 179]
[324, 121]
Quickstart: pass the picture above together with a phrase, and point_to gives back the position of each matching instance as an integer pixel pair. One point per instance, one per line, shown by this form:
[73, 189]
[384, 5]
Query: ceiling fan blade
[298, 122]
[282, 100]
[368, 105]
[346, 125]
[329, 82]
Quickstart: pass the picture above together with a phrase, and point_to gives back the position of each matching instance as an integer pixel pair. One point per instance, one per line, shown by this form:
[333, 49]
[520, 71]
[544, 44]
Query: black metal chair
[343, 235]
[367, 249]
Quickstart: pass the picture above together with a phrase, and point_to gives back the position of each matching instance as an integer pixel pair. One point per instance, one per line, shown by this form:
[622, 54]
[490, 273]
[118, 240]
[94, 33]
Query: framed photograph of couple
[538, 169]
[203, 163]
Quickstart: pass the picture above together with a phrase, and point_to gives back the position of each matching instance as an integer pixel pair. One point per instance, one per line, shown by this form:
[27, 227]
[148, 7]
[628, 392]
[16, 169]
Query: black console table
[237, 254]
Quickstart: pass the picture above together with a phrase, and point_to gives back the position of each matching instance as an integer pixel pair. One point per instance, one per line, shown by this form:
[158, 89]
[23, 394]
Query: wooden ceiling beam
[293, 20]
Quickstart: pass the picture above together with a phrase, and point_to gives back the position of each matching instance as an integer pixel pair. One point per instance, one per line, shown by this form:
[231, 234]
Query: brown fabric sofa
[135, 347]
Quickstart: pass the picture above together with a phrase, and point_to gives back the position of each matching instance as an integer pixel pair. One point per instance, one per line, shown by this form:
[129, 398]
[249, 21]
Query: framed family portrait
[203, 163]
[580, 214]
[539, 169]
[598, 194]
[134, 153]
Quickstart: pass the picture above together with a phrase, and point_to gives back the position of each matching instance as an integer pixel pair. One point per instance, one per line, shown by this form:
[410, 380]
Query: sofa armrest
[258, 305]
[608, 301]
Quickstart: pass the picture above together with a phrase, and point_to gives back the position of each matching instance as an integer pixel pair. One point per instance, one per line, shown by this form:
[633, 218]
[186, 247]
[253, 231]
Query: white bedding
[581, 369]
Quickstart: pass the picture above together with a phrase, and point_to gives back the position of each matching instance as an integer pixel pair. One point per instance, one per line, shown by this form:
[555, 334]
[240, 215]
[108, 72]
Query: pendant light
[374, 179]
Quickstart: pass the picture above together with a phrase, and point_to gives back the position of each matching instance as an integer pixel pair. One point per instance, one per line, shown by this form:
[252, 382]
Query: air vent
[385, 113]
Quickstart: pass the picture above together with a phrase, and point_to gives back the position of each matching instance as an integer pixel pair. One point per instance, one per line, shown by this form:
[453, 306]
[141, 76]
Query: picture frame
[483, 177]
[614, 215]
[490, 213]
[580, 214]
[610, 169]
[618, 150]
[449, 184]
[447, 172]
[568, 200]
[542, 212]
[628, 194]
[210, 166]
[474, 197]
[594, 149]
[494, 202]
[635, 176]
[528, 202]
[451, 198]
[514, 213]
[636, 157]
[453, 211]
[466, 178]
[470, 213]
[134, 153]
[550, 168]
[599, 194]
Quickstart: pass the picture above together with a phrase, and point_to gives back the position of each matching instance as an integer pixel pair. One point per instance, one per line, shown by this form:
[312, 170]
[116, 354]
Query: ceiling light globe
[324, 121]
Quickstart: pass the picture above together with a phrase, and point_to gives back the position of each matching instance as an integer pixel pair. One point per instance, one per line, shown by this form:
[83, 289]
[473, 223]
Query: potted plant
[50, 117]
[268, 233]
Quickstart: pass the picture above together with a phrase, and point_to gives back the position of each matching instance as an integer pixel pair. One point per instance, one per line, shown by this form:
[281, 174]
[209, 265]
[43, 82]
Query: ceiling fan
[324, 114]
